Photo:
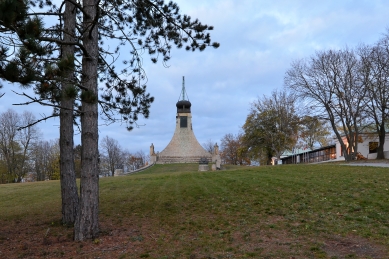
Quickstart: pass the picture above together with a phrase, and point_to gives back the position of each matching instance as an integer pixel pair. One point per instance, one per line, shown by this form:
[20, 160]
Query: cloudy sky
[259, 40]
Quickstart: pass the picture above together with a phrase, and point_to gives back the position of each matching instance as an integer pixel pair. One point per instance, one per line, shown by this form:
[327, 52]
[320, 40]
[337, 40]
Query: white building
[367, 146]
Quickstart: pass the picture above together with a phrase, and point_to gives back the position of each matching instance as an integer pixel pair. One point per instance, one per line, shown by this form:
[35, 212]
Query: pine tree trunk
[87, 223]
[68, 176]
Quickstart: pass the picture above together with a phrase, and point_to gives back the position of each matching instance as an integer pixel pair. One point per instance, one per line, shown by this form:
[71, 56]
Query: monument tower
[183, 147]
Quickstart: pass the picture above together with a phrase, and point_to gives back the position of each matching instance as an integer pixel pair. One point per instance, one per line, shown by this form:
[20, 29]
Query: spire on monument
[183, 92]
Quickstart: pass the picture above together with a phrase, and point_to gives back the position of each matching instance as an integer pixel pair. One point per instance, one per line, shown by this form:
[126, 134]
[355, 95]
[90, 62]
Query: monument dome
[183, 106]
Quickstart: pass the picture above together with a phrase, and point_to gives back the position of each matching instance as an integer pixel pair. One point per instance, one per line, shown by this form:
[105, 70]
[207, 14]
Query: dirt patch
[353, 247]
[134, 238]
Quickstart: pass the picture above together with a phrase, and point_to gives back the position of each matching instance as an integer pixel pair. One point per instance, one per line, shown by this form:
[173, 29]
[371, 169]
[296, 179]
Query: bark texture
[68, 176]
[87, 223]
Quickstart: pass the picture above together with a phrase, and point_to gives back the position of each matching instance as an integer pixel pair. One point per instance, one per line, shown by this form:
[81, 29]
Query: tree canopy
[272, 125]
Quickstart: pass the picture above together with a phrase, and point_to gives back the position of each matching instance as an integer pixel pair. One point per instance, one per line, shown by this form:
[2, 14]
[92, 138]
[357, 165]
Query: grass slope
[173, 211]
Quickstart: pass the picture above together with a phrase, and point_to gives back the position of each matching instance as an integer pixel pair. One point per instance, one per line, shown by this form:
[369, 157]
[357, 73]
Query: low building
[311, 156]
[367, 148]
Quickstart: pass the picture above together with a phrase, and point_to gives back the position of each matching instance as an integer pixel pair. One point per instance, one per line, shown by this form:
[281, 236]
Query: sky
[259, 39]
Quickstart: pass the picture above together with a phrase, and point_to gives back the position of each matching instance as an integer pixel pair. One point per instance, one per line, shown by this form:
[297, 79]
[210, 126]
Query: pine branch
[171, 20]
[48, 13]
[60, 42]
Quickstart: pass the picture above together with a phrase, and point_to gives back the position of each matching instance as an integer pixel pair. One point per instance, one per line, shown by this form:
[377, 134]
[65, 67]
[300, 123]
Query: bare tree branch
[40, 101]
[37, 121]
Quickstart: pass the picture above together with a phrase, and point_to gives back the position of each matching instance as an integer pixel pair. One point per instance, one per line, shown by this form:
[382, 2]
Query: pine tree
[149, 26]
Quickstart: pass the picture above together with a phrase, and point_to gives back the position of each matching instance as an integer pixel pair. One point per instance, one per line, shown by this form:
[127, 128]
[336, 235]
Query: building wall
[363, 147]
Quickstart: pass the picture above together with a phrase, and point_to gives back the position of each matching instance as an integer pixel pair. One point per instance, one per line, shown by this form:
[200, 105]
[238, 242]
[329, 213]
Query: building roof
[302, 151]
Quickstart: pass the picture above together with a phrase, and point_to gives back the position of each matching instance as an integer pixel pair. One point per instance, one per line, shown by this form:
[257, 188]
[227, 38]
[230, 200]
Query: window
[183, 121]
[373, 146]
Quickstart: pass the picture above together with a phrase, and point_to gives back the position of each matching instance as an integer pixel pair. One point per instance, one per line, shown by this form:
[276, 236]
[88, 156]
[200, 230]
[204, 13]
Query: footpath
[383, 163]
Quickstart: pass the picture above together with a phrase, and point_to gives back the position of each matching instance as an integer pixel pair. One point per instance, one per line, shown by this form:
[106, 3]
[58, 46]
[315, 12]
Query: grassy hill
[174, 211]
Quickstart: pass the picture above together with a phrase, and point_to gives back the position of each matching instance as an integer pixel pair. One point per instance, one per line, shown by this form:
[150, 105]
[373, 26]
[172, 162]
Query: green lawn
[174, 211]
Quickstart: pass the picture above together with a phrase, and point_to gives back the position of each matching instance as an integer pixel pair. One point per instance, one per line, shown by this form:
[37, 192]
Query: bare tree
[143, 158]
[27, 136]
[233, 151]
[112, 155]
[329, 85]
[229, 149]
[10, 148]
[41, 159]
[15, 145]
[375, 76]
[54, 170]
[209, 146]
[45, 157]
[134, 161]
[4, 177]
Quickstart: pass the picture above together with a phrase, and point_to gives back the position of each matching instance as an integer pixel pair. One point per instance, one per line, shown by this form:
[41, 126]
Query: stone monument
[203, 164]
[183, 147]
[216, 158]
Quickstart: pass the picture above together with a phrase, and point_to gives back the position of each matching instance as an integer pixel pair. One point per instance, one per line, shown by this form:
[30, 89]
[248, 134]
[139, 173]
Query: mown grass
[18, 201]
[174, 211]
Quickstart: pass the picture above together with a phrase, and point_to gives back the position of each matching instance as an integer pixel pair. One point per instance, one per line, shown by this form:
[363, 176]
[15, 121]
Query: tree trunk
[381, 136]
[354, 144]
[67, 172]
[347, 153]
[87, 223]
